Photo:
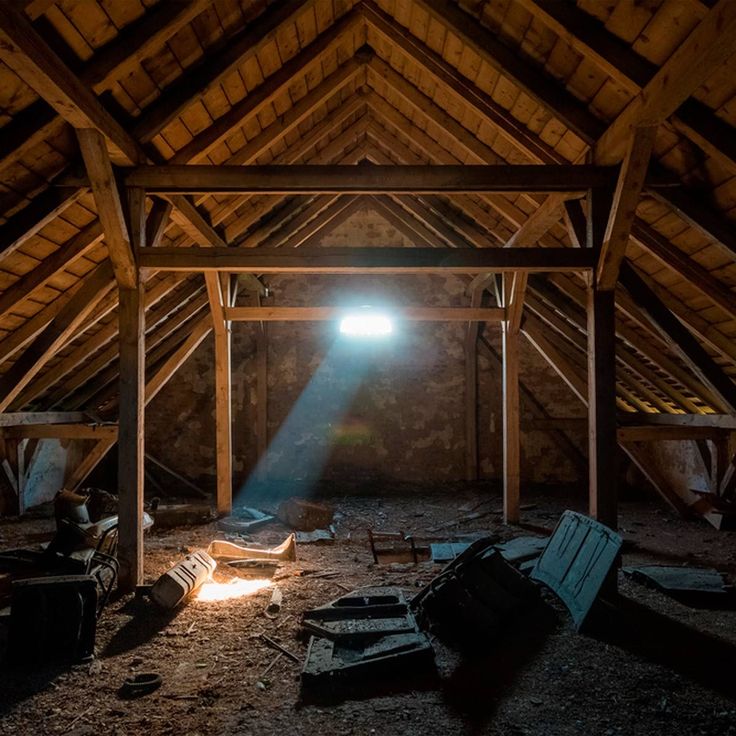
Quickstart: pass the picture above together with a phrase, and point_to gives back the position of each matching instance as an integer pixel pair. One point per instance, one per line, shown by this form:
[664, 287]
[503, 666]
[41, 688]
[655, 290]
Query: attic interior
[464, 462]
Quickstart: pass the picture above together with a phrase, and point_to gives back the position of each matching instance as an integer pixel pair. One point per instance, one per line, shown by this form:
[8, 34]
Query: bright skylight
[366, 323]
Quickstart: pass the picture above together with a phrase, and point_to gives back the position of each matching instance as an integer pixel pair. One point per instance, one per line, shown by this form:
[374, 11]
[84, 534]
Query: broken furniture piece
[228, 551]
[577, 561]
[185, 578]
[472, 598]
[53, 619]
[691, 586]
[370, 632]
[303, 515]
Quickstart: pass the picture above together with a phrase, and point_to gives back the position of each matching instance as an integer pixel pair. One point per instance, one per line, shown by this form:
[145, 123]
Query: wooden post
[130, 437]
[471, 393]
[223, 411]
[262, 391]
[511, 430]
[602, 441]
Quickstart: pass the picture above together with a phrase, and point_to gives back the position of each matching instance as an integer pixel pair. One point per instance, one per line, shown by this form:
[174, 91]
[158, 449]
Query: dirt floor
[649, 666]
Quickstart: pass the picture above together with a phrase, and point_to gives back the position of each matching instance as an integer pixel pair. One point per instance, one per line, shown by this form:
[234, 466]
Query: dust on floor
[654, 667]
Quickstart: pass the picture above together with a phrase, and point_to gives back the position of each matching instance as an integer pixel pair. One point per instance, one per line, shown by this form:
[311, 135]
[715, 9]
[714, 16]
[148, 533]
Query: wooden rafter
[623, 208]
[109, 206]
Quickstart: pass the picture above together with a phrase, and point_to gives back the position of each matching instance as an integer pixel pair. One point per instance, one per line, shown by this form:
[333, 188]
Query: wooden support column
[602, 441]
[130, 438]
[511, 422]
[471, 392]
[262, 389]
[218, 291]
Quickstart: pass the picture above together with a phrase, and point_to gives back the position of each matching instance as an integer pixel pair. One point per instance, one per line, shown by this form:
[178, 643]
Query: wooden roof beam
[623, 208]
[43, 209]
[109, 206]
[56, 334]
[366, 260]
[574, 115]
[653, 346]
[411, 228]
[211, 70]
[326, 314]
[711, 44]
[77, 372]
[305, 179]
[166, 370]
[680, 340]
[590, 38]
[27, 54]
[109, 63]
[278, 84]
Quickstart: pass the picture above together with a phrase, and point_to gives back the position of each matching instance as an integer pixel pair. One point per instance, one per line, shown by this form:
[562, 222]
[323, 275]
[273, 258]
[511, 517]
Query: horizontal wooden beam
[717, 421]
[382, 260]
[323, 314]
[61, 431]
[23, 418]
[658, 433]
[309, 179]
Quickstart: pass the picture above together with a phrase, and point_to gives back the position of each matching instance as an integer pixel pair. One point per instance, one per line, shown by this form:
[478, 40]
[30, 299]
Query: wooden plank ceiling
[245, 82]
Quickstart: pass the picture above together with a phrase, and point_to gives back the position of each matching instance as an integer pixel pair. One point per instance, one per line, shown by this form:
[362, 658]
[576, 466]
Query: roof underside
[333, 81]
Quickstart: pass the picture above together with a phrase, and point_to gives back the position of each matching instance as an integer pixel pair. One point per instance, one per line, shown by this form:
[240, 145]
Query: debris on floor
[136, 686]
[577, 561]
[474, 596]
[169, 515]
[303, 515]
[691, 586]
[444, 552]
[273, 609]
[368, 633]
[228, 551]
[244, 521]
[318, 536]
[395, 547]
[182, 580]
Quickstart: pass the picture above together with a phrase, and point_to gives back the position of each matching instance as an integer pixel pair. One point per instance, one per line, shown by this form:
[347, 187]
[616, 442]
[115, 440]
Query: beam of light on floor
[237, 588]
[296, 456]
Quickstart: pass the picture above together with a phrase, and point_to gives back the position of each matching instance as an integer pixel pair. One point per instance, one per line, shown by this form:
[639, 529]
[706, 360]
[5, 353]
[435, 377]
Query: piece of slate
[695, 586]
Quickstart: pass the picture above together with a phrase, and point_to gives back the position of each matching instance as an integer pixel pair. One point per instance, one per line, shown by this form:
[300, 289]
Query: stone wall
[346, 410]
